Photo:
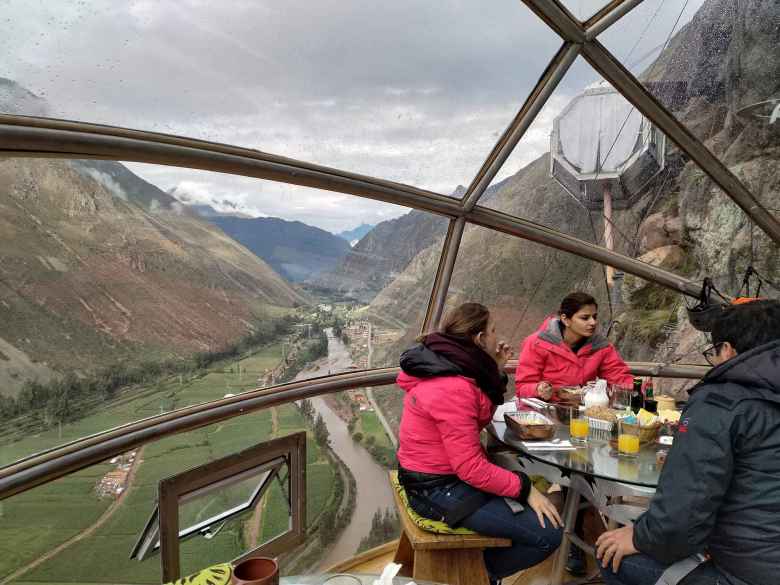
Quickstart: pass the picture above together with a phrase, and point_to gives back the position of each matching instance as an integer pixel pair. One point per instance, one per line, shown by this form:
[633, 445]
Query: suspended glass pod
[601, 145]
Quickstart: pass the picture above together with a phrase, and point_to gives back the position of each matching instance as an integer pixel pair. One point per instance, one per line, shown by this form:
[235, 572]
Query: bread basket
[530, 425]
[647, 434]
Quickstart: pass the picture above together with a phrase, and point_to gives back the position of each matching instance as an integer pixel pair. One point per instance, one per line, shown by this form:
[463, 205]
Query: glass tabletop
[346, 579]
[596, 458]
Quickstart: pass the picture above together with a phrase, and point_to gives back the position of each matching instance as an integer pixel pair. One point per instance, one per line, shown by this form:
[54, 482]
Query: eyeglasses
[712, 352]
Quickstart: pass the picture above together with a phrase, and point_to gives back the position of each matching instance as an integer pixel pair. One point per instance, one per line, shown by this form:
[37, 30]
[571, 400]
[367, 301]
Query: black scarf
[473, 361]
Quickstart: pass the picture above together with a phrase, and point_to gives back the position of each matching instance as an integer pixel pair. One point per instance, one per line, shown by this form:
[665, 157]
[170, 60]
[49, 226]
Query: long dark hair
[573, 302]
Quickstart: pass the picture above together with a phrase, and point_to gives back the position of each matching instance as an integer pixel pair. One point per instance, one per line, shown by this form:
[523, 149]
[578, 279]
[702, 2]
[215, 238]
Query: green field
[39, 520]
[371, 427]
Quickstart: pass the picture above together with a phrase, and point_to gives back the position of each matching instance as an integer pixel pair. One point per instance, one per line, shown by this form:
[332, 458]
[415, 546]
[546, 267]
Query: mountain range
[353, 236]
[98, 266]
[295, 250]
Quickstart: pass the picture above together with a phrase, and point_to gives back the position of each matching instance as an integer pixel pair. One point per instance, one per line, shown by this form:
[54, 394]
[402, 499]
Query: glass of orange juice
[628, 439]
[578, 426]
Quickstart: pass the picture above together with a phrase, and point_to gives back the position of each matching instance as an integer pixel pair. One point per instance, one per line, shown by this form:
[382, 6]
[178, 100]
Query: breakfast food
[601, 413]
[665, 402]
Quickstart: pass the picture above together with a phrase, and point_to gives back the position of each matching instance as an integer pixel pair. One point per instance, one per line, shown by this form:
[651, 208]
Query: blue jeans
[642, 570]
[531, 543]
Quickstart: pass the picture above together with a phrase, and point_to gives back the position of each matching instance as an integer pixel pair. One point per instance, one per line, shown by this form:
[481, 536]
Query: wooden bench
[455, 559]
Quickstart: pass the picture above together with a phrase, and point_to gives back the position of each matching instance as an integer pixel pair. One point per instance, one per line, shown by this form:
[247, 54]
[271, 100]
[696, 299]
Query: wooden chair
[455, 559]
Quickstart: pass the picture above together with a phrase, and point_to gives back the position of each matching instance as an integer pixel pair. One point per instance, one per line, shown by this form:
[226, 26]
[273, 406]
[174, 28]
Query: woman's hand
[540, 504]
[544, 390]
[503, 353]
[614, 545]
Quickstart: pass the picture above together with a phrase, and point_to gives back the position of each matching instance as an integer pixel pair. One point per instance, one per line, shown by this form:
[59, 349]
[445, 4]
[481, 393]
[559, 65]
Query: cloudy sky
[412, 91]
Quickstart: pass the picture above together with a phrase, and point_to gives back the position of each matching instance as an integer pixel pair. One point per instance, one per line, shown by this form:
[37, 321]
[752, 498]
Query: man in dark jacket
[719, 491]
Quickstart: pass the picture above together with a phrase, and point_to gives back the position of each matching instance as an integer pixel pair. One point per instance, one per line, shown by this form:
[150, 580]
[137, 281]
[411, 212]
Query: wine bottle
[637, 399]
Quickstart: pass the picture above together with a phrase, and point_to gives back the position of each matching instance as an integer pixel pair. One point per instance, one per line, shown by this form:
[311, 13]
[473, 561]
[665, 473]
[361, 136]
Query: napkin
[388, 573]
[510, 406]
[548, 446]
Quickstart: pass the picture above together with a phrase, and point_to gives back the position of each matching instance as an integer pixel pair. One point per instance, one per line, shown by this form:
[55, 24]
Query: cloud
[106, 181]
[411, 91]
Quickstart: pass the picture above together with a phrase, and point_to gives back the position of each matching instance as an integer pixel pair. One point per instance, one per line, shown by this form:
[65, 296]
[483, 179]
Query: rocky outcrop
[659, 230]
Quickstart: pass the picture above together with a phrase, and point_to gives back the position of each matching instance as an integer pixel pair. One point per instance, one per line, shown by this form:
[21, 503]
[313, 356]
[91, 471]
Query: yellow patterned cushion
[215, 575]
[436, 526]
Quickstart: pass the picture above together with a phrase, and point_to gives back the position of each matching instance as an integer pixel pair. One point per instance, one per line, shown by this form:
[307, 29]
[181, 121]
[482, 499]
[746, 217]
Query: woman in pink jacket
[568, 351]
[454, 381]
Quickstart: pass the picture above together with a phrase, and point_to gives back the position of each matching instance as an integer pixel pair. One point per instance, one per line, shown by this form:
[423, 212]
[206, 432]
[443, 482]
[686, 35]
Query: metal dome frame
[22, 136]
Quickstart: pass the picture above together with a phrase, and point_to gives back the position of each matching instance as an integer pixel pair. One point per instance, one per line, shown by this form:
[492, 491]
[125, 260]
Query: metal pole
[558, 18]
[441, 283]
[83, 141]
[603, 20]
[609, 241]
[549, 237]
[50, 465]
[62, 143]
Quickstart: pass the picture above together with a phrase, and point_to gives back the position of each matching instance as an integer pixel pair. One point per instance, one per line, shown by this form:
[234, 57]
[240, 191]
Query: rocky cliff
[725, 59]
[683, 222]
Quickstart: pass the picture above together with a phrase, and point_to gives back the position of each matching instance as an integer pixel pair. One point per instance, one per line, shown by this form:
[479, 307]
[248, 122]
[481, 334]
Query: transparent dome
[220, 225]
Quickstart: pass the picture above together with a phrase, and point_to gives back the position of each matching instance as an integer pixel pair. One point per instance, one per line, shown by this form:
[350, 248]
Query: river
[373, 489]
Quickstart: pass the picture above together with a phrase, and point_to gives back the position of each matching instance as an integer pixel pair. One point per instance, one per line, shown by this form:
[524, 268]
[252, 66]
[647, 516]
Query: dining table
[593, 472]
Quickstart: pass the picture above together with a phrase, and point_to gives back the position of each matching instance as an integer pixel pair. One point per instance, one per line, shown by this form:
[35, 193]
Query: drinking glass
[619, 397]
[628, 439]
[578, 426]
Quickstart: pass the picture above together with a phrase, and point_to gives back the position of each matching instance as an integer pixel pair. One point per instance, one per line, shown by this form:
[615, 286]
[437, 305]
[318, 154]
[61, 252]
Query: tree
[321, 434]
[307, 409]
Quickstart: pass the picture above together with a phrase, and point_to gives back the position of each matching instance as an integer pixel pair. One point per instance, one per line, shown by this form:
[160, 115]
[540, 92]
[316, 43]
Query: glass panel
[238, 534]
[602, 148]
[674, 217]
[224, 519]
[346, 487]
[362, 87]
[123, 296]
[715, 70]
[198, 511]
[521, 282]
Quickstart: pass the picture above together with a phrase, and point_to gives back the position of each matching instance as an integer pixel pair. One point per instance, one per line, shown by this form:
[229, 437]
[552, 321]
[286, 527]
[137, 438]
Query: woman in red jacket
[568, 351]
[454, 381]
